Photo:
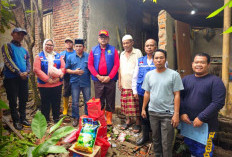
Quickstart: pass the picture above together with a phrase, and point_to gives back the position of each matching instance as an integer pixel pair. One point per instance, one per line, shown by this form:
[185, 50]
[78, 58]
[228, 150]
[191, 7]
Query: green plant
[3, 105]
[48, 140]
[216, 12]
[12, 146]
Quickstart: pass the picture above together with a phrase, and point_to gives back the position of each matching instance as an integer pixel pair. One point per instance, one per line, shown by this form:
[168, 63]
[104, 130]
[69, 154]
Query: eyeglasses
[49, 45]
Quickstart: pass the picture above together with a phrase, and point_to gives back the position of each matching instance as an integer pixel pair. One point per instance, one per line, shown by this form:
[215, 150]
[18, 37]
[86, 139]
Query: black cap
[18, 29]
[79, 41]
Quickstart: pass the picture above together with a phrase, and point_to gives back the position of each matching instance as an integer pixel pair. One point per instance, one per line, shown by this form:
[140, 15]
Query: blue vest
[143, 69]
[109, 55]
[44, 64]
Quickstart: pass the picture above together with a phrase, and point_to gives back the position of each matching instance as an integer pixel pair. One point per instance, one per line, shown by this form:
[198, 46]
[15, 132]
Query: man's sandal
[125, 126]
[136, 128]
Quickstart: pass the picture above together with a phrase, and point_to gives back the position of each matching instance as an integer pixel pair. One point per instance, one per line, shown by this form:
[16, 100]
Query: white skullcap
[127, 37]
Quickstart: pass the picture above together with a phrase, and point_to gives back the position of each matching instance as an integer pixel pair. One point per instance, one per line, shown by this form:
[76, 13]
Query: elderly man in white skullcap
[129, 104]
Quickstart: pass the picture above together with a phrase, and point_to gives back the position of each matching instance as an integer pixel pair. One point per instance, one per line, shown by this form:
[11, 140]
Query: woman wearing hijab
[49, 67]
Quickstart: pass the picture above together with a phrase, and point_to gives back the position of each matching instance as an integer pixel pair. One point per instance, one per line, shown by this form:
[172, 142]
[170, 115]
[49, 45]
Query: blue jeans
[76, 89]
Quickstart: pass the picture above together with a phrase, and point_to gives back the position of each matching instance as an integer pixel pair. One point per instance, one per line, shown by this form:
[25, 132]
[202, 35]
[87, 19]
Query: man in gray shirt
[162, 87]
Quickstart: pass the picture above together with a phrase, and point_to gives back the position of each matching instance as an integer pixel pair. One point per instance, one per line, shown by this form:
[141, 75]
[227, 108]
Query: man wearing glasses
[103, 63]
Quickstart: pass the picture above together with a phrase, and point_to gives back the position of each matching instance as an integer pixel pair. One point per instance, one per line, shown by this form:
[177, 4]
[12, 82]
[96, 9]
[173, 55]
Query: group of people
[151, 93]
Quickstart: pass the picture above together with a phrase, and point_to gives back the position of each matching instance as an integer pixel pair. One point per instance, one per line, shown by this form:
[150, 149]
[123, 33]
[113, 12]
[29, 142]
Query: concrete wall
[106, 14]
[213, 46]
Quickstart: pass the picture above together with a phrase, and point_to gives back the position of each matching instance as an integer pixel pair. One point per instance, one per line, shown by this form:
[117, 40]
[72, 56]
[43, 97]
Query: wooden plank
[4, 119]
[184, 59]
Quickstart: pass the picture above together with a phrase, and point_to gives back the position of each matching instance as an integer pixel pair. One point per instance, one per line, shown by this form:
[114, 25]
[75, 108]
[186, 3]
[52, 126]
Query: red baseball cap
[104, 32]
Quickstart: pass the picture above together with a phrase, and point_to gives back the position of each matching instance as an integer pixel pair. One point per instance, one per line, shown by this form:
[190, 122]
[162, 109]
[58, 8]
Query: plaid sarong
[129, 105]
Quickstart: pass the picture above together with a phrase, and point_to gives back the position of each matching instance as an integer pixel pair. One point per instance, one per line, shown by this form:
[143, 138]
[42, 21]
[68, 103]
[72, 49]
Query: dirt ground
[124, 148]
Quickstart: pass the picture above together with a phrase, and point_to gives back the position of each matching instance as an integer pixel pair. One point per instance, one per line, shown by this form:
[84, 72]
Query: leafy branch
[216, 12]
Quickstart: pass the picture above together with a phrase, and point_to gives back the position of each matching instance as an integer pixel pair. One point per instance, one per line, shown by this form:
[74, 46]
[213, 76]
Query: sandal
[125, 126]
[136, 128]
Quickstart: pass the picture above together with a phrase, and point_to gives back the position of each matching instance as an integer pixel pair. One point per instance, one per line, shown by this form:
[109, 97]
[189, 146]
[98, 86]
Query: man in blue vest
[16, 71]
[103, 64]
[144, 65]
[67, 87]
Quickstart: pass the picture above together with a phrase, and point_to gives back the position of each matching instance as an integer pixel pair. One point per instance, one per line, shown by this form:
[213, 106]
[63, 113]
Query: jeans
[76, 89]
[17, 88]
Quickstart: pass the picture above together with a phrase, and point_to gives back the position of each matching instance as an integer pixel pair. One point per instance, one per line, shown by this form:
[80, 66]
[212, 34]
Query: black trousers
[16, 88]
[144, 121]
[106, 93]
[50, 98]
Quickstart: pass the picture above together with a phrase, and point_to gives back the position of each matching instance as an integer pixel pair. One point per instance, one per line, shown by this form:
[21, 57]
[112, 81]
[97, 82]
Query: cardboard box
[75, 153]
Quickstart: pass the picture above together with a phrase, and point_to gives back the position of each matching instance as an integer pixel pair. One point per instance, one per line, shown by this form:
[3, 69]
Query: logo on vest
[109, 51]
[141, 63]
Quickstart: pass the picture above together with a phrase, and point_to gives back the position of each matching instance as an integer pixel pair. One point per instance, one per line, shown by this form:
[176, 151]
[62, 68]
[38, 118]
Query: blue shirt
[74, 62]
[20, 58]
[203, 97]
[65, 54]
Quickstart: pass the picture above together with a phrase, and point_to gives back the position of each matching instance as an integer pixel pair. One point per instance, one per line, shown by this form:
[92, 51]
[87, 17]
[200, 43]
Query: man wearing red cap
[103, 63]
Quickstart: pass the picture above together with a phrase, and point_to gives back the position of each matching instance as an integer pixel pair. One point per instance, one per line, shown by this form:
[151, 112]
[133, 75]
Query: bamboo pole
[226, 57]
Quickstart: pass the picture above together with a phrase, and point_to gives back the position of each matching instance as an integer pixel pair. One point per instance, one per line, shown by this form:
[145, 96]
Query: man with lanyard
[144, 65]
[103, 64]
[67, 87]
[77, 67]
[202, 98]
[16, 71]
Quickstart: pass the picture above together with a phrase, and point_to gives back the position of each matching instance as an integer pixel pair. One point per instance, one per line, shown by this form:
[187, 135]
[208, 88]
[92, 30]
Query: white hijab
[49, 55]
[52, 71]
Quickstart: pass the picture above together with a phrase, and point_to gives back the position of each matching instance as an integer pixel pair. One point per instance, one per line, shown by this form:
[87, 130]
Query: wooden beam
[226, 57]
[12, 127]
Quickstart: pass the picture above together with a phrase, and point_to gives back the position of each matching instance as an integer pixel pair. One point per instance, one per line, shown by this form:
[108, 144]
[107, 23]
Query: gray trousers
[162, 133]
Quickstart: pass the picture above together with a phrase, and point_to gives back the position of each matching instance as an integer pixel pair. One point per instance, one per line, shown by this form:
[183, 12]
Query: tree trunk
[33, 80]
[226, 111]
[30, 50]
[39, 11]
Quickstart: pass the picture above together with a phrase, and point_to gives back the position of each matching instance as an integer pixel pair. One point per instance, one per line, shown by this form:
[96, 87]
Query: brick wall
[65, 21]
[162, 18]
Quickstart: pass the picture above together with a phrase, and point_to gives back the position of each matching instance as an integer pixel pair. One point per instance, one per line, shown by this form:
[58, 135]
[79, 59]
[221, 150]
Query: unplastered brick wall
[162, 19]
[65, 21]
[47, 5]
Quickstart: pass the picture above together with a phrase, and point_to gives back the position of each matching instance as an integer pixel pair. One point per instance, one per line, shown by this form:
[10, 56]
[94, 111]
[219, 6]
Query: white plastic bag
[52, 70]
